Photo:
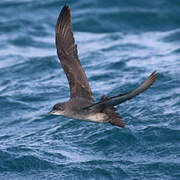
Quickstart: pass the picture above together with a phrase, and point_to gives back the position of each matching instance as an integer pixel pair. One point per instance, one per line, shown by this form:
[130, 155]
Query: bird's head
[58, 109]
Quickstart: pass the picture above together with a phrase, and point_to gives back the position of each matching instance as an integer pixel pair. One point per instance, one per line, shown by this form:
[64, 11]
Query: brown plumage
[68, 54]
[81, 104]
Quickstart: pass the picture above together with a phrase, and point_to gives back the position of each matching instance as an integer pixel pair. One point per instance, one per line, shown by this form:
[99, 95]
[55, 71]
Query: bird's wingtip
[66, 7]
[154, 75]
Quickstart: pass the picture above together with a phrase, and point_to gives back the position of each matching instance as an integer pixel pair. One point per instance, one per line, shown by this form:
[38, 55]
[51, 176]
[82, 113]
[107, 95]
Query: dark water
[120, 43]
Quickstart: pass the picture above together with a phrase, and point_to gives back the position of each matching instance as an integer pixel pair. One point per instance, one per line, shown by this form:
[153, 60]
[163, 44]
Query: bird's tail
[114, 117]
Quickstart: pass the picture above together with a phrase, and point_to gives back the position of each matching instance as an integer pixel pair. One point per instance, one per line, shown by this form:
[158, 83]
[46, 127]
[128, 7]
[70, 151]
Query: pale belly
[94, 117]
[97, 117]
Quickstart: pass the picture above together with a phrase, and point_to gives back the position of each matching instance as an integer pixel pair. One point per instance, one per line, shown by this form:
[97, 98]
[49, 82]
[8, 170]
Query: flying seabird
[81, 104]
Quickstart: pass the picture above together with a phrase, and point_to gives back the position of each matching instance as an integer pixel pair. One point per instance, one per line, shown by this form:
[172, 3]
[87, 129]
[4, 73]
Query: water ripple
[119, 43]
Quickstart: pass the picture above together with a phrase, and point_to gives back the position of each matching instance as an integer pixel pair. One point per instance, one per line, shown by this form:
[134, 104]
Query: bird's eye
[58, 107]
[55, 107]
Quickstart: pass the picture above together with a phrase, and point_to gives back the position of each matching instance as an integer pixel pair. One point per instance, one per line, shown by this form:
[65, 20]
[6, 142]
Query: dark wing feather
[141, 88]
[68, 55]
[113, 101]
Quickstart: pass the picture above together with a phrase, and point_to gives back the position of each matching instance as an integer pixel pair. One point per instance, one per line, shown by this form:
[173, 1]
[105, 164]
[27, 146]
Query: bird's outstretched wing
[68, 55]
[113, 101]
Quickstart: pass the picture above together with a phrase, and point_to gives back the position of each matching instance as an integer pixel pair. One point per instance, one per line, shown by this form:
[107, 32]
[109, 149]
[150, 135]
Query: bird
[81, 104]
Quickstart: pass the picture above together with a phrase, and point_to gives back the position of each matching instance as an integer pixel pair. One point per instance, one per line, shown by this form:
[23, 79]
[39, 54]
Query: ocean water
[120, 43]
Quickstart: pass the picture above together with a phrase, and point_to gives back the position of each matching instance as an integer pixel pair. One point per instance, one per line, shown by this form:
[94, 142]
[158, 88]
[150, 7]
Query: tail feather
[117, 121]
[114, 117]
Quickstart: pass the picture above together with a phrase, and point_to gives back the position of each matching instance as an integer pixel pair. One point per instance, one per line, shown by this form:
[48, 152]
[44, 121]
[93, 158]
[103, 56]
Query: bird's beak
[49, 113]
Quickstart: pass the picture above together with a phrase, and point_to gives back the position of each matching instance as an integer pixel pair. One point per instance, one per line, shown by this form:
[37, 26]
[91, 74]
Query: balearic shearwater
[81, 104]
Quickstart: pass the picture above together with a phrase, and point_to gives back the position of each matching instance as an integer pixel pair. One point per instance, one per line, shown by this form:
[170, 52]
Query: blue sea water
[120, 43]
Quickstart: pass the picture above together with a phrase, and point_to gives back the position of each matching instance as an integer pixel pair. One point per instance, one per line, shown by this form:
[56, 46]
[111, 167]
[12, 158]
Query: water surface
[120, 43]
